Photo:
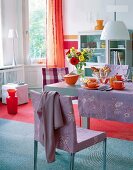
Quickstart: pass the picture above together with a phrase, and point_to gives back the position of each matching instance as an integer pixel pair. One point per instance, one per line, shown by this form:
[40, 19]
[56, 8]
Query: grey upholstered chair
[69, 137]
[53, 75]
[117, 69]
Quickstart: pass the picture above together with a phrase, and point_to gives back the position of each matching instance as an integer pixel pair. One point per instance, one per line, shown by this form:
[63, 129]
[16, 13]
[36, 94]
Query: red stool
[12, 101]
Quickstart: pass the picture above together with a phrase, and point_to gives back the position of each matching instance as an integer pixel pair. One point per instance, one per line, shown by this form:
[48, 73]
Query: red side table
[12, 101]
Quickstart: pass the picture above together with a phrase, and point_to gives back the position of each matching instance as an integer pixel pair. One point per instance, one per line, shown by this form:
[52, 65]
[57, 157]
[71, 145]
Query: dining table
[116, 105]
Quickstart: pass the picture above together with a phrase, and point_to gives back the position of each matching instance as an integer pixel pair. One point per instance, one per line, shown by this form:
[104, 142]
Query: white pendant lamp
[115, 30]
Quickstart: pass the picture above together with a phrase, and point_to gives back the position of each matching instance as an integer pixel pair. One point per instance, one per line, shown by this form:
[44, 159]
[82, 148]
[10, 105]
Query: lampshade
[12, 33]
[115, 30]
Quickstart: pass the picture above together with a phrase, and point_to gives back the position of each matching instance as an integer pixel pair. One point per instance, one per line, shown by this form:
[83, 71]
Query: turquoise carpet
[16, 152]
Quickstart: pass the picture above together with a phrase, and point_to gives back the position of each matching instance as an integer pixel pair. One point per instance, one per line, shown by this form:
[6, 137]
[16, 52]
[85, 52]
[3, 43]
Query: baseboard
[36, 89]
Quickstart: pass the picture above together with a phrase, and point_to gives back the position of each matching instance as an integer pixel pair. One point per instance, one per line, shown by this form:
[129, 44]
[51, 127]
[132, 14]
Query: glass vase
[81, 74]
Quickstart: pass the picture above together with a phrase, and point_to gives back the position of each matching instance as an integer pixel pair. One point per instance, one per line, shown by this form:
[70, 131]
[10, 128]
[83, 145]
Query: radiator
[1, 77]
[11, 75]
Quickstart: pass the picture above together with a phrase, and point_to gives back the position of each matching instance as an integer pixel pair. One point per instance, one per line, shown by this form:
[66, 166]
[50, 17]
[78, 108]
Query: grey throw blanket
[50, 115]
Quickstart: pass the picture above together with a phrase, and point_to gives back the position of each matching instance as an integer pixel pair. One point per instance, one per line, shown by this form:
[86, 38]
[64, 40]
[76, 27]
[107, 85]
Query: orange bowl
[71, 79]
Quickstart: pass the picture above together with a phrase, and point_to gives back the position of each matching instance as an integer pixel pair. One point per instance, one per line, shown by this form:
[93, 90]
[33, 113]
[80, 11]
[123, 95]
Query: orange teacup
[92, 84]
[118, 85]
[92, 80]
[118, 77]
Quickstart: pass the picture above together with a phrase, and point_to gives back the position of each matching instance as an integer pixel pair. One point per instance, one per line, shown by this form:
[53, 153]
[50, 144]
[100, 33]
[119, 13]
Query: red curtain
[55, 39]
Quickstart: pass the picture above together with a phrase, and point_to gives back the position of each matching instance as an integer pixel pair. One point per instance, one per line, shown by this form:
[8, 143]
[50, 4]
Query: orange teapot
[118, 77]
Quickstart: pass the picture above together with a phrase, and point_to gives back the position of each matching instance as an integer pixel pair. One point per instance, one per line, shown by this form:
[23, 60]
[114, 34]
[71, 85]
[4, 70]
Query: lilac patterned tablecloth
[112, 105]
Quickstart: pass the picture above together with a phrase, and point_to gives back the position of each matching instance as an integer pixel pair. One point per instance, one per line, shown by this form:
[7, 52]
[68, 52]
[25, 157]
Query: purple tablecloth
[112, 105]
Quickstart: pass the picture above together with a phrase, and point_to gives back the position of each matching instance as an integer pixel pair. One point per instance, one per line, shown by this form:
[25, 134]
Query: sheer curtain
[1, 45]
[55, 46]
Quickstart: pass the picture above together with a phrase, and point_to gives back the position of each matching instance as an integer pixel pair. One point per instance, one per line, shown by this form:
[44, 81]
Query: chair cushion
[87, 138]
[55, 75]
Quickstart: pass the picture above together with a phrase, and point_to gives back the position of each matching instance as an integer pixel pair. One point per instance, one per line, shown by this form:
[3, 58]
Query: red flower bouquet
[79, 58]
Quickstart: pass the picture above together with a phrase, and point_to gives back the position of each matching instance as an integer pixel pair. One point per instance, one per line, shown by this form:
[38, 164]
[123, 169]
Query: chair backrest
[65, 137]
[117, 69]
[53, 75]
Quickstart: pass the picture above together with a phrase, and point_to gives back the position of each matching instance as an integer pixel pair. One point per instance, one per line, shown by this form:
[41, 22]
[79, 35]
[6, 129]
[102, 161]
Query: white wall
[80, 14]
[126, 17]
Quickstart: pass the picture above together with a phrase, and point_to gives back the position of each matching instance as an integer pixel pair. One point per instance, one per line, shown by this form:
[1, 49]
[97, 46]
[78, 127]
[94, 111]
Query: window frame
[26, 41]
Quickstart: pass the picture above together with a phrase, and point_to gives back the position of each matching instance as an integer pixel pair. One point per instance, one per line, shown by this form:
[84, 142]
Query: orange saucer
[90, 88]
[119, 88]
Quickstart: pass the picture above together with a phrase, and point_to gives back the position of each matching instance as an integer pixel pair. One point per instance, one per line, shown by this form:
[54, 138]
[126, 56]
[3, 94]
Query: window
[37, 29]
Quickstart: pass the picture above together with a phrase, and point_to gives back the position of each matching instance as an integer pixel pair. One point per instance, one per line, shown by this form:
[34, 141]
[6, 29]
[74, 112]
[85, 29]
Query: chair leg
[72, 161]
[80, 121]
[104, 153]
[35, 154]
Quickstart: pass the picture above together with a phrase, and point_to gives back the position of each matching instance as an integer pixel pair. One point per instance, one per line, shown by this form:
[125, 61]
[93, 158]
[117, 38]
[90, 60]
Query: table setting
[104, 81]
[106, 78]
[109, 99]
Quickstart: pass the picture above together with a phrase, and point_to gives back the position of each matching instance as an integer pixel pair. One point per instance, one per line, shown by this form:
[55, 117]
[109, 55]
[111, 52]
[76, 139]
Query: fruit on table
[95, 69]
[104, 69]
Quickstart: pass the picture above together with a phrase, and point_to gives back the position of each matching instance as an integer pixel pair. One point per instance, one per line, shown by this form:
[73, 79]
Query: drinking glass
[132, 75]
[103, 77]
[96, 75]
[126, 73]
